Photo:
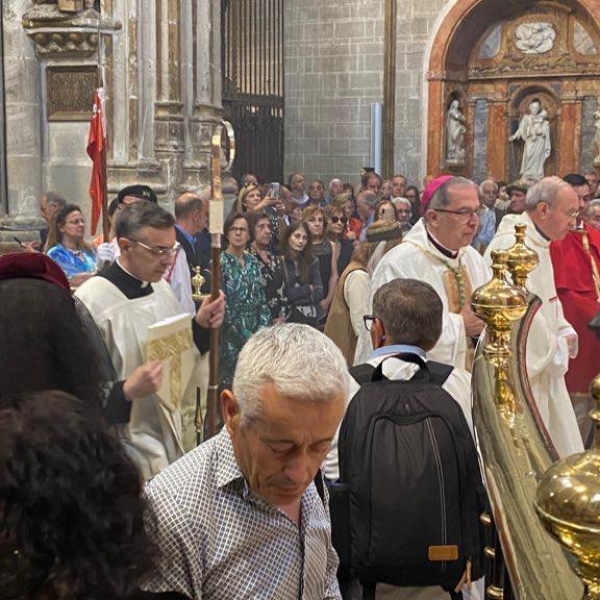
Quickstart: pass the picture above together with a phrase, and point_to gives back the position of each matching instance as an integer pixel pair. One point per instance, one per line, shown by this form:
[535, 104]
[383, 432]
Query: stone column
[168, 108]
[23, 106]
[204, 109]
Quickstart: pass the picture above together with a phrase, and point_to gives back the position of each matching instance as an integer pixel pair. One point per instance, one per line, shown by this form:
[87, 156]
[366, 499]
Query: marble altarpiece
[497, 64]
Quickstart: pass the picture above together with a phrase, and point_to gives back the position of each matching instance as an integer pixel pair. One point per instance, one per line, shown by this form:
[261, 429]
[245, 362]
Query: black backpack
[414, 489]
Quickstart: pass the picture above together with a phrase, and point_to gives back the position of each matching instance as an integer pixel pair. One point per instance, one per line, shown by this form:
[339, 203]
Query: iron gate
[252, 64]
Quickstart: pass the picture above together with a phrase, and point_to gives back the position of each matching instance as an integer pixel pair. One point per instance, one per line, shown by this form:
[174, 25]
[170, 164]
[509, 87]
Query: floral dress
[246, 309]
[273, 283]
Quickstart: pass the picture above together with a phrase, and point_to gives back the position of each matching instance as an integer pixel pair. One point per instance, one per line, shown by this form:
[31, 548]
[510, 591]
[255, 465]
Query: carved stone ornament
[59, 34]
[535, 38]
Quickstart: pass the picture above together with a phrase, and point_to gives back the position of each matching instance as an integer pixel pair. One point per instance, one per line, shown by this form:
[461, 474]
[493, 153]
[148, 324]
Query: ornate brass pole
[216, 219]
[568, 504]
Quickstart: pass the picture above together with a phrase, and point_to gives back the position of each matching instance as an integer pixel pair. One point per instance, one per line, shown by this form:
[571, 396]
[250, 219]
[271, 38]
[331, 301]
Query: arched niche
[487, 52]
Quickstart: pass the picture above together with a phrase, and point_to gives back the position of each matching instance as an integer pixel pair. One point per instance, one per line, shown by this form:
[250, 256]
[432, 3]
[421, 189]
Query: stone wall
[334, 72]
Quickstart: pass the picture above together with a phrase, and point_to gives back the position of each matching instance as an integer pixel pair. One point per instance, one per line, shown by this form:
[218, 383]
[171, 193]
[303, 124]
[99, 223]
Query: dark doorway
[252, 63]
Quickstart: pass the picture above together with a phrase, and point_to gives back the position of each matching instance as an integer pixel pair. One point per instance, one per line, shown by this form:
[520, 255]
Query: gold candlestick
[197, 283]
[568, 504]
[521, 258]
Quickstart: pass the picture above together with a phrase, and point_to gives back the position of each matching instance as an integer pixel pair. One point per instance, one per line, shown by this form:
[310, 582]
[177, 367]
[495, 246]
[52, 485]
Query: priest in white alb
[438, 251]
[148, 335]
[551, 210]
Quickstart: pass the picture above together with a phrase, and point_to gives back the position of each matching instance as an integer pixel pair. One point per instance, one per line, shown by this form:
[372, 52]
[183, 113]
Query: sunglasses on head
[343, 220]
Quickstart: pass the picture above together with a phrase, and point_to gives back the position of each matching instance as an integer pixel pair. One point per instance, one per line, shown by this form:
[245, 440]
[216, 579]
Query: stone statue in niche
[534, 130]
[455, 133]
[535, 38]
[597, 136]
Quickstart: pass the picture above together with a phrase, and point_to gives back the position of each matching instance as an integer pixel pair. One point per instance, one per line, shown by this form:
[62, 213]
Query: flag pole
[105, 222]
[216, 218]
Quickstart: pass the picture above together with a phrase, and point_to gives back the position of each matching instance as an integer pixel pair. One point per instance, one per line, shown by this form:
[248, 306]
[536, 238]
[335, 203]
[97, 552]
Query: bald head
[191, 212]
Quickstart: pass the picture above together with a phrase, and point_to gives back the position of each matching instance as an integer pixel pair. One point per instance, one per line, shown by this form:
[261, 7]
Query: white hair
[299, 361]
[334, 180]
[594, 203]
[486, 182]
[544, 190]
[401, 200]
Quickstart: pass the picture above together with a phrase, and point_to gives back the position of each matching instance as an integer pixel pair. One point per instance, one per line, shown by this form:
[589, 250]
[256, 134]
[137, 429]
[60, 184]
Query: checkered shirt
[219, 541]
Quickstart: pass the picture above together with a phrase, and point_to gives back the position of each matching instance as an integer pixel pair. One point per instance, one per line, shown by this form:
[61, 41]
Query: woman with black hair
[71, 507]
[303, 286]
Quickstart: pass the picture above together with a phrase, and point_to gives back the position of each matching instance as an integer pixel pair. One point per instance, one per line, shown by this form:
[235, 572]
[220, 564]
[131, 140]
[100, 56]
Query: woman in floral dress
[246, 309]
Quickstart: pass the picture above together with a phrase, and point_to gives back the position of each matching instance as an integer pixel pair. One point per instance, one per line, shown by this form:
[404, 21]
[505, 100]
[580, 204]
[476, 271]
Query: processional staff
[215, 225]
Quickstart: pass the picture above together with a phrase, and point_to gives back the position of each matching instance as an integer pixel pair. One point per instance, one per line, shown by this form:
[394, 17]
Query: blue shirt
[398, 349]
[190, 238]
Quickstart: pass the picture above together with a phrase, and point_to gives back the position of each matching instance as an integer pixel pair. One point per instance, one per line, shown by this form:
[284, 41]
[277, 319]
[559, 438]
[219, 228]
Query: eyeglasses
[368, 321]
[463, 213]
[239, 229]
[159, 250]
[342, 220]
[75, 222]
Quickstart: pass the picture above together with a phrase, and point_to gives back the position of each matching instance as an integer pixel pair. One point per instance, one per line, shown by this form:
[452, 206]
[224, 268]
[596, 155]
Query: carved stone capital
[57, 34]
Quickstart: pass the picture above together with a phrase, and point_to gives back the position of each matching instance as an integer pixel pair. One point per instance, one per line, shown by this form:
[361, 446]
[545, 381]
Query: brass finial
[197, 283]
[521, 258]
[499, 304]
[568, 504]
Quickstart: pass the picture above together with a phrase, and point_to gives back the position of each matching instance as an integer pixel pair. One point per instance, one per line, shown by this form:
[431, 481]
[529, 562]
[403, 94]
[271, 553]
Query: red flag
[96, 149]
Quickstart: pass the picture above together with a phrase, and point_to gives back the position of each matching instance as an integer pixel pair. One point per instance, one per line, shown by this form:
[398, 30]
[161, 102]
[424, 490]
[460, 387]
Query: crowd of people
[313, 280]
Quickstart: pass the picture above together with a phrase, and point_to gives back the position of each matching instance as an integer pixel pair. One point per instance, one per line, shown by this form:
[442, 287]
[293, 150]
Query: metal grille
[252, 62]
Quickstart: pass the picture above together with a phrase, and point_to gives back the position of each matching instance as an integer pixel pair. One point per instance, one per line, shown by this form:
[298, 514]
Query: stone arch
[449, 69]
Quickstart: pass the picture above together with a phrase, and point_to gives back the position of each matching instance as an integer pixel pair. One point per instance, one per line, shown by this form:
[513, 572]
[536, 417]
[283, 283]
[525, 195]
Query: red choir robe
[578, 292]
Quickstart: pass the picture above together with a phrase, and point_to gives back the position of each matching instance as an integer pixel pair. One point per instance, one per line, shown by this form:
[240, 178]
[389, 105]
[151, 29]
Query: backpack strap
[319, 485]
[428, 371]
[362, 373]
[439, 372]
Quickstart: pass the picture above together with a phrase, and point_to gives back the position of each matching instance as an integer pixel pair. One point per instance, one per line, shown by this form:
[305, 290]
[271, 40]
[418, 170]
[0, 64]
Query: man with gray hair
[404, 211]
[407, 320]
[239, 516]
[488, 192]
[124, 300]
[336, 187]
[366, 201]
[551, 209]
[437, 251]
[191, 218]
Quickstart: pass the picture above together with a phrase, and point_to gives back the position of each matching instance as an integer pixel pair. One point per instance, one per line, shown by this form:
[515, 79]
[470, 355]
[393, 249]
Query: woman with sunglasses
[336, 226]
[67, 247]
